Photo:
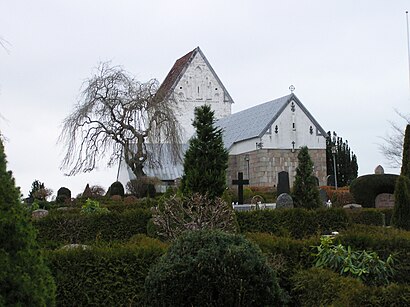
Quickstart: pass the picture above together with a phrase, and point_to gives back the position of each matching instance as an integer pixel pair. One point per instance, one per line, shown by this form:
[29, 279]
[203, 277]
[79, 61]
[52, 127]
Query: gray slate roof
[255, 121]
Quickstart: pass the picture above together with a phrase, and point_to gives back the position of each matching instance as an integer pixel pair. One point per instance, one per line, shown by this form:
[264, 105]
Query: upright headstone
[384, 200]
[39, 213]
[283, 183]
[284, 201]
[379, 170]
[323, 196]
[240, 182]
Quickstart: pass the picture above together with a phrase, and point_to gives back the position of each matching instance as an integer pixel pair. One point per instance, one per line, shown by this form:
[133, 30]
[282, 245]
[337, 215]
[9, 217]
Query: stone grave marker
[384, 200]
[240, 182]
[283, 183]
[323, 196]
[284, 201]
[39, 213]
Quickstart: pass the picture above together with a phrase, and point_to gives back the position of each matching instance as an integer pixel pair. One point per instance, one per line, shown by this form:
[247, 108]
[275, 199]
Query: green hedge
[366, 188]
[373, 217]
[103, 276]
[297, 223]
[321, 287]
[60, 229]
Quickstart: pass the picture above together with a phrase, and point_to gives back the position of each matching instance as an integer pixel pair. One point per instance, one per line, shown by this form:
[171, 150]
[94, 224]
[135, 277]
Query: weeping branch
[118, 114]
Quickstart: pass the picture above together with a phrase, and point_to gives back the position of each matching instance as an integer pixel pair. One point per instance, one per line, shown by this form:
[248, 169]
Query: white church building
[262, 140]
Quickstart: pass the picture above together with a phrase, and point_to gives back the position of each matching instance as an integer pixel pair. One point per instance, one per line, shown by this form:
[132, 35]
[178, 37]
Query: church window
[293, 126]
[198, 89]
[292, 106]
[311, 130]
[276, 129]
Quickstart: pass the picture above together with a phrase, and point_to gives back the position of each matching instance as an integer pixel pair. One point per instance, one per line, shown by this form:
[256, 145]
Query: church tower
[192, 82]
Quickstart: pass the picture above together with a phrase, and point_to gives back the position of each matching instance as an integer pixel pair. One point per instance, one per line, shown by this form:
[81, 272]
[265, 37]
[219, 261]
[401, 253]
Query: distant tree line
[346, 161]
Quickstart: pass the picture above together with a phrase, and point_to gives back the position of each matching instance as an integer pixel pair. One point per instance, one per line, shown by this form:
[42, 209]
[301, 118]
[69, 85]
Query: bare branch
[117, 114]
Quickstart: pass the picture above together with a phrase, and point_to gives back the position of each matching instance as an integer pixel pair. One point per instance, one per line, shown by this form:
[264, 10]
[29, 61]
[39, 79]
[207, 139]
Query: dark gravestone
[323, 196]
[283, 183]
[316, 180]
[284, 201]
[240, 182]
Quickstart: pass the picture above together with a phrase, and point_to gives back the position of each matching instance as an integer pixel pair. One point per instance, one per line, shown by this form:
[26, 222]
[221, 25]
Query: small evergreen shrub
[212, 268]
[401, 212]
[93, 207]
[391, 295]
[258, 221]
[366, 188]
[63, 195]
[116, 189]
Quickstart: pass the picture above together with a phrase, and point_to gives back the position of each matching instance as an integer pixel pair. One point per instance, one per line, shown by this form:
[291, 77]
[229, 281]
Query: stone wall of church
[262, 166]
[198, 86]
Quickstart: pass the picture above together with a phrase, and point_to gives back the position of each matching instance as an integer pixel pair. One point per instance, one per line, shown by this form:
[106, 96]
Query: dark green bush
[212, 268]
[367, 217]
[390, 296]
[116, 189]
[61, 229]
[258, 221]
[366, 188]
[25, 280]
[321, 287]
[300, 223]
[143, 187]
[401, 212]
[388, 213]
[63, 195]
[329, 220]
[103, 276]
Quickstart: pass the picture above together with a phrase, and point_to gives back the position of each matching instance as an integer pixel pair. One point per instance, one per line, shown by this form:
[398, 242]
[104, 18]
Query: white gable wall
[198, 86]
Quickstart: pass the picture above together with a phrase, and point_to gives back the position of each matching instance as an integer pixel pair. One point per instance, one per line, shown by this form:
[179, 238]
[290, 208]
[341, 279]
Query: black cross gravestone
[283, 183]
[240, 182]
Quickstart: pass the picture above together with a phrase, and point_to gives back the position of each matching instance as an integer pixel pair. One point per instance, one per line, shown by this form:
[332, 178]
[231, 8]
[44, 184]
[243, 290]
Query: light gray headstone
[384, 200]
[284, 201]
[379, 170]
[352, 206]
[323, 196]
[39, 213]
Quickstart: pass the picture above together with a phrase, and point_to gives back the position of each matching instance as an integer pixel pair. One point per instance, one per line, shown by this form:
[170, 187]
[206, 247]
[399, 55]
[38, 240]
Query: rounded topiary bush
[116, 189]
[212, 268]
[63, 195]
[366, 188]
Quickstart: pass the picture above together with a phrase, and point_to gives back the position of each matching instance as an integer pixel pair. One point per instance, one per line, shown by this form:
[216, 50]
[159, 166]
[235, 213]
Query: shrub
[300, 223]
[321, 287]
[391, 295]
[194, 212]
[116, 189]
[103, 276]
[212, 268]
[334, 219]
[63, 195]
[363, 265]
[366, 188]
[367, 217]
[93, 207]
[259, 221]
[401, 212]
[25, 280]
[143, 187]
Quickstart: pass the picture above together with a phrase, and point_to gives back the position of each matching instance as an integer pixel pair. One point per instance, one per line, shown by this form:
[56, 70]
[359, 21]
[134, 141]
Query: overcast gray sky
[347, 59]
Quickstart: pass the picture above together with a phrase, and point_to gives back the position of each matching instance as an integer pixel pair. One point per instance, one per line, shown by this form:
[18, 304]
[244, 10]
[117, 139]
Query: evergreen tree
[401, 212]
[305, 189]
[346, 161]
[24, 278]
[206, 159]
[405, 165]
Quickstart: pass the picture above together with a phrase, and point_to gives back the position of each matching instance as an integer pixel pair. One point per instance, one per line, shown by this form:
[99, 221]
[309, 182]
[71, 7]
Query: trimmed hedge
[103, 276]
[60, 229]
[367, 217]
[298, 223]
[366, 188]
[320, 287]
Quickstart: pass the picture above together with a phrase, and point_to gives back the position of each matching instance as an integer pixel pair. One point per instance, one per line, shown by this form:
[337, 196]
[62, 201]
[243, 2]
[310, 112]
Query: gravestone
[352, 206]
[240, 182]
[284, 201]
[384, 200]
[39, 213]
[323, 196]
[379, 170]
[316, 180]
[283, 183]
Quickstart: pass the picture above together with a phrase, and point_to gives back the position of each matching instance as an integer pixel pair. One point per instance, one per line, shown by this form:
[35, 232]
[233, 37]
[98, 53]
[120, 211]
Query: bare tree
[118, 116]
[393, 147]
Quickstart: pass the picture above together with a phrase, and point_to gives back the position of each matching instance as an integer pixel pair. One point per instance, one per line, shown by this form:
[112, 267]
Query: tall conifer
[206, 159]
[405, 165]
[24, 278]
[305, 189]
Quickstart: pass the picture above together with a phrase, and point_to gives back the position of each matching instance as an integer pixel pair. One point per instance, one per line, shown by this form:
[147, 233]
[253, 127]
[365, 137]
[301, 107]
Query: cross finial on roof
[292, 88]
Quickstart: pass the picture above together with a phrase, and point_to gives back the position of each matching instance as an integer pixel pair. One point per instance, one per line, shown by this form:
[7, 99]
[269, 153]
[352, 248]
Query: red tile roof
[175, 72]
